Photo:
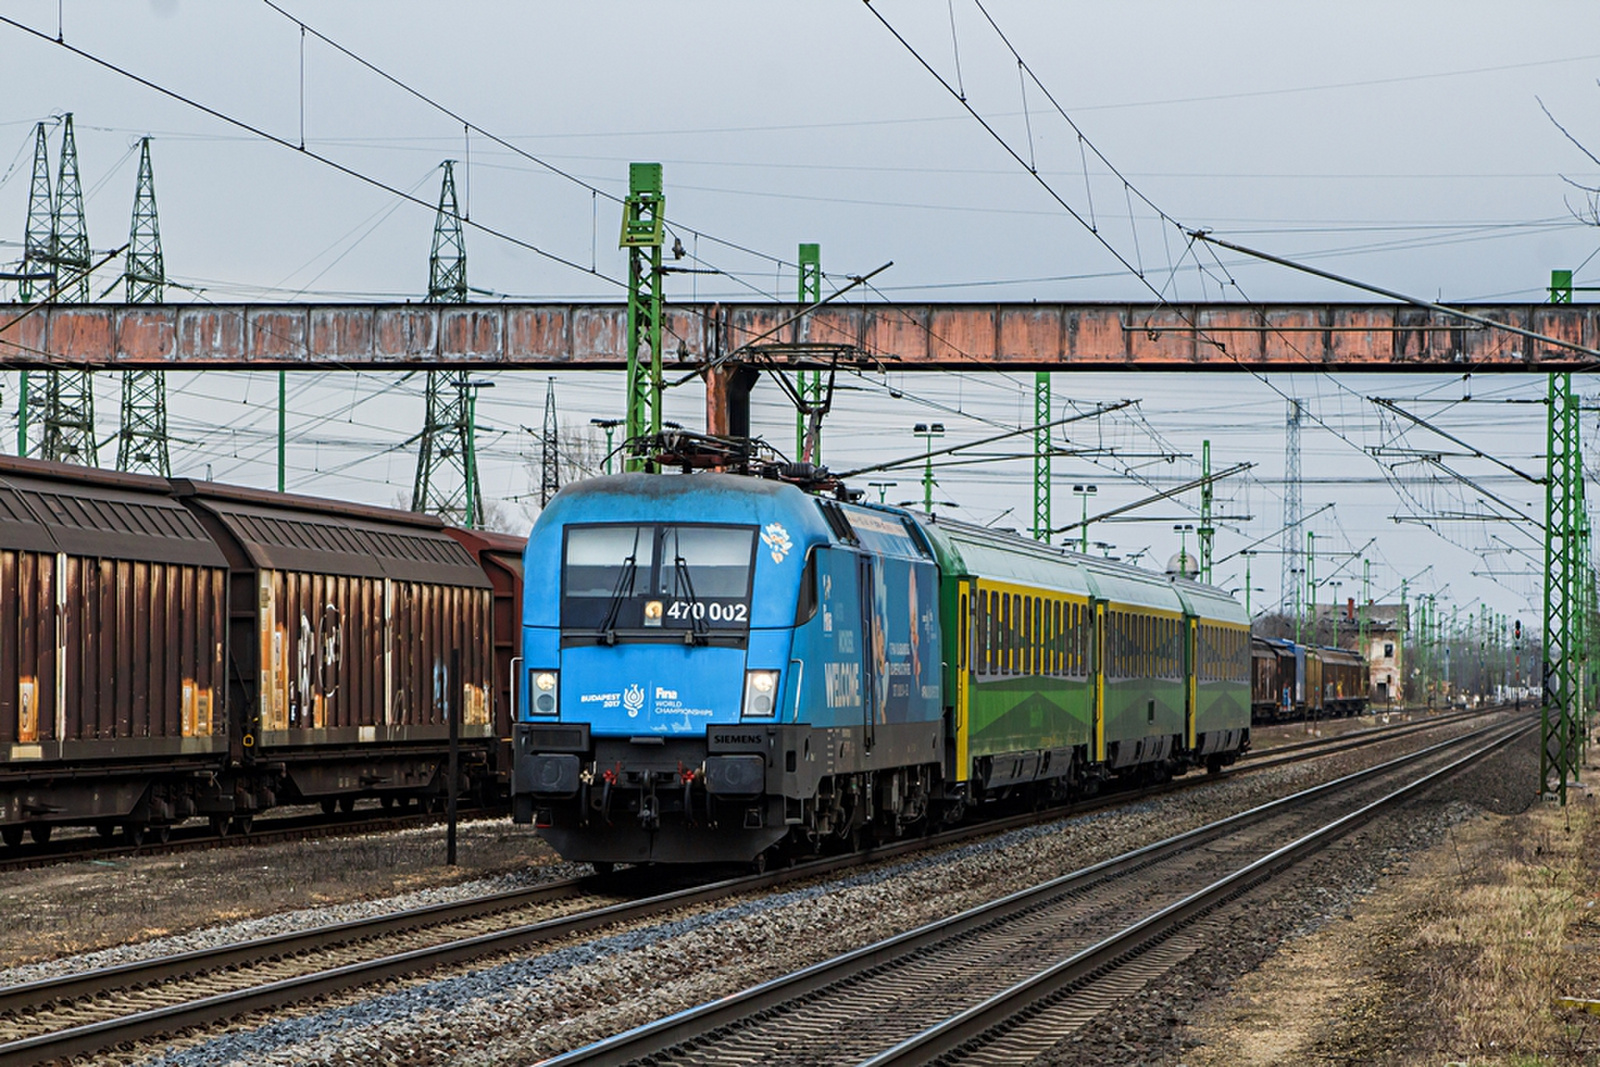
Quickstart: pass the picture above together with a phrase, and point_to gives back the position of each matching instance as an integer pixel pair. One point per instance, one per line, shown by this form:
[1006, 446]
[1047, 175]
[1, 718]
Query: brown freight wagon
[499, 556]
[342, 623]
[112, 644]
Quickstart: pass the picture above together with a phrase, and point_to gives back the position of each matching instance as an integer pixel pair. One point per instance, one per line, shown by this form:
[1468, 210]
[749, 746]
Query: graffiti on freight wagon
[318, 652]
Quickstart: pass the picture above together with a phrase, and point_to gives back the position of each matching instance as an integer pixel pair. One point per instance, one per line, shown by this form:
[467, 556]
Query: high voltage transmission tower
[447, 475]
[38, 271]
[69, 394]
[1293, 568]
[550, 449]
[142, 439]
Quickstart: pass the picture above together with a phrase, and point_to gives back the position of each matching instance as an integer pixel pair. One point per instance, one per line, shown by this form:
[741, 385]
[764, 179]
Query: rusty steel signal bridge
[899, 336]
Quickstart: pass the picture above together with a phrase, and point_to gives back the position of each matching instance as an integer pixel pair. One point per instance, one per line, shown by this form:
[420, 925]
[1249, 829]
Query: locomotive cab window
[643, 578]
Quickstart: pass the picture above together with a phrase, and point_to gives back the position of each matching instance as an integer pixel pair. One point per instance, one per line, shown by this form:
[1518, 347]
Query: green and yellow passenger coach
[1066, 670]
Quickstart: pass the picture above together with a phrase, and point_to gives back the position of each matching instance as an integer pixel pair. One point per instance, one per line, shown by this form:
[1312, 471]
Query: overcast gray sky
[1403, 144]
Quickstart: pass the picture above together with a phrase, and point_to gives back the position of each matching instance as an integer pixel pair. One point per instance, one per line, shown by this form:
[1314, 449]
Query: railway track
[1003, 982]
[279, 829]
[91, 1011]
[266, 831]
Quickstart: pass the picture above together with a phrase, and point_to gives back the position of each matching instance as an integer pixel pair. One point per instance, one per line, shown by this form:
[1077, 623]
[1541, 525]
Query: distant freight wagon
[1290, 681]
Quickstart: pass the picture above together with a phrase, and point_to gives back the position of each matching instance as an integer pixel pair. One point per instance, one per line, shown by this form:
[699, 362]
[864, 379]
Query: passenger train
[720, 667]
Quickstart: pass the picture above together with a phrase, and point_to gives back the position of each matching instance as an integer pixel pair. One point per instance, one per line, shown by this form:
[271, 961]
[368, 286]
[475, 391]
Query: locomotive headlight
[760, 693]
[544, 699]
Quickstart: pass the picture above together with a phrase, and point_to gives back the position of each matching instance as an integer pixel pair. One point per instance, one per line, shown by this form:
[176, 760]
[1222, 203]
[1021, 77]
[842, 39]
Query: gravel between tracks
[512, 1010]
[335, 879]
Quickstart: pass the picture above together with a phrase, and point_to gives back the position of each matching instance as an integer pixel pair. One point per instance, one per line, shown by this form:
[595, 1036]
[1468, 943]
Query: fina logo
[775, 537]
[633, 699]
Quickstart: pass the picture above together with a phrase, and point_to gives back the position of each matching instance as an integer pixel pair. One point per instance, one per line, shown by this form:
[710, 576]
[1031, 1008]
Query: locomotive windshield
[643, 578]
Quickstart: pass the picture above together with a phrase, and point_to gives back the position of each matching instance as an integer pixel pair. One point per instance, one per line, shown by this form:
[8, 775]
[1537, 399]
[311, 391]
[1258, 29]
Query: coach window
[1030, 629]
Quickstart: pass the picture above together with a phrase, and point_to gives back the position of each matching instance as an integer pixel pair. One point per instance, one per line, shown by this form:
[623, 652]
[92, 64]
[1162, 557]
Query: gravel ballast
[516, 1010]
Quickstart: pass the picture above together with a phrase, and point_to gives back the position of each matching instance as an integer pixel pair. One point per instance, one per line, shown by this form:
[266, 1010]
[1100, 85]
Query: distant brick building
[1385, 651]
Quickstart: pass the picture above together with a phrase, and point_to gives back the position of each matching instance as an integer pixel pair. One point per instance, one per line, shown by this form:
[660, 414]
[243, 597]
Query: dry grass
[1456, 961]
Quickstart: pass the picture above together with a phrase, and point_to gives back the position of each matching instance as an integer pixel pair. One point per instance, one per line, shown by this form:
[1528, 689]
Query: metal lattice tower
[1041, 455]
[142, 437]
[1206, 533]
[549, 449]
[447, 478]
[36, 254]
[809, 382]
[69, 394]
[643, 226]
[36, 265]
[1292, 559]
[1566, 527]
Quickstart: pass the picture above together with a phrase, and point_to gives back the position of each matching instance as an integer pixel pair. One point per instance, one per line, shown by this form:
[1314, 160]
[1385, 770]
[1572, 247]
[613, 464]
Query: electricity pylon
[447, 478]
[36, 264]
[69, 394]
[142, 439]
[550, 449]
[1292, 537]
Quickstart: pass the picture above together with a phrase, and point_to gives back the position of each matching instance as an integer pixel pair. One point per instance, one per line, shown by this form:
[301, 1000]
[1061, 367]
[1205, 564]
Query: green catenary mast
[643, 225]
[810, 382]
[1041, 456]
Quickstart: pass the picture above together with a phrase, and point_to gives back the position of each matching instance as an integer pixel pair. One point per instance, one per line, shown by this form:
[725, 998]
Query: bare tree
[1589, 212]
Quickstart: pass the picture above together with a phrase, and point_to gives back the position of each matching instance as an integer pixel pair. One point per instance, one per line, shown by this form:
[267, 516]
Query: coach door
[1191, 672]
[1097, 687]
[873, 651]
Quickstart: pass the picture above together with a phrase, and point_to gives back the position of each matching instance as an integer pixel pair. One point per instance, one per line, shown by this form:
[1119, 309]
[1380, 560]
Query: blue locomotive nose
[645, 690]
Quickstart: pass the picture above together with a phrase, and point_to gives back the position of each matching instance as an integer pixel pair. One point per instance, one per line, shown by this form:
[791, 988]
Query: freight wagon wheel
[107, 830]
[603, 868]
[347, 804]
[40, 832]
[330, 805]
[11, 835]
[161, 834]
[133, 834]
[387, 802]
[243, 823]
[219, 825]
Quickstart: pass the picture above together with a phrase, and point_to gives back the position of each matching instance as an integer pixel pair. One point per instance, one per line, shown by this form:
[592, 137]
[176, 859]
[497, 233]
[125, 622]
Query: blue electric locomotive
[714, 665]
[710, 661]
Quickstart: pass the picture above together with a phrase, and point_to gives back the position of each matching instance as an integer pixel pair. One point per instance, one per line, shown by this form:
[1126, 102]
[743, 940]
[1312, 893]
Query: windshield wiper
[630, 567]
[698, 627]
